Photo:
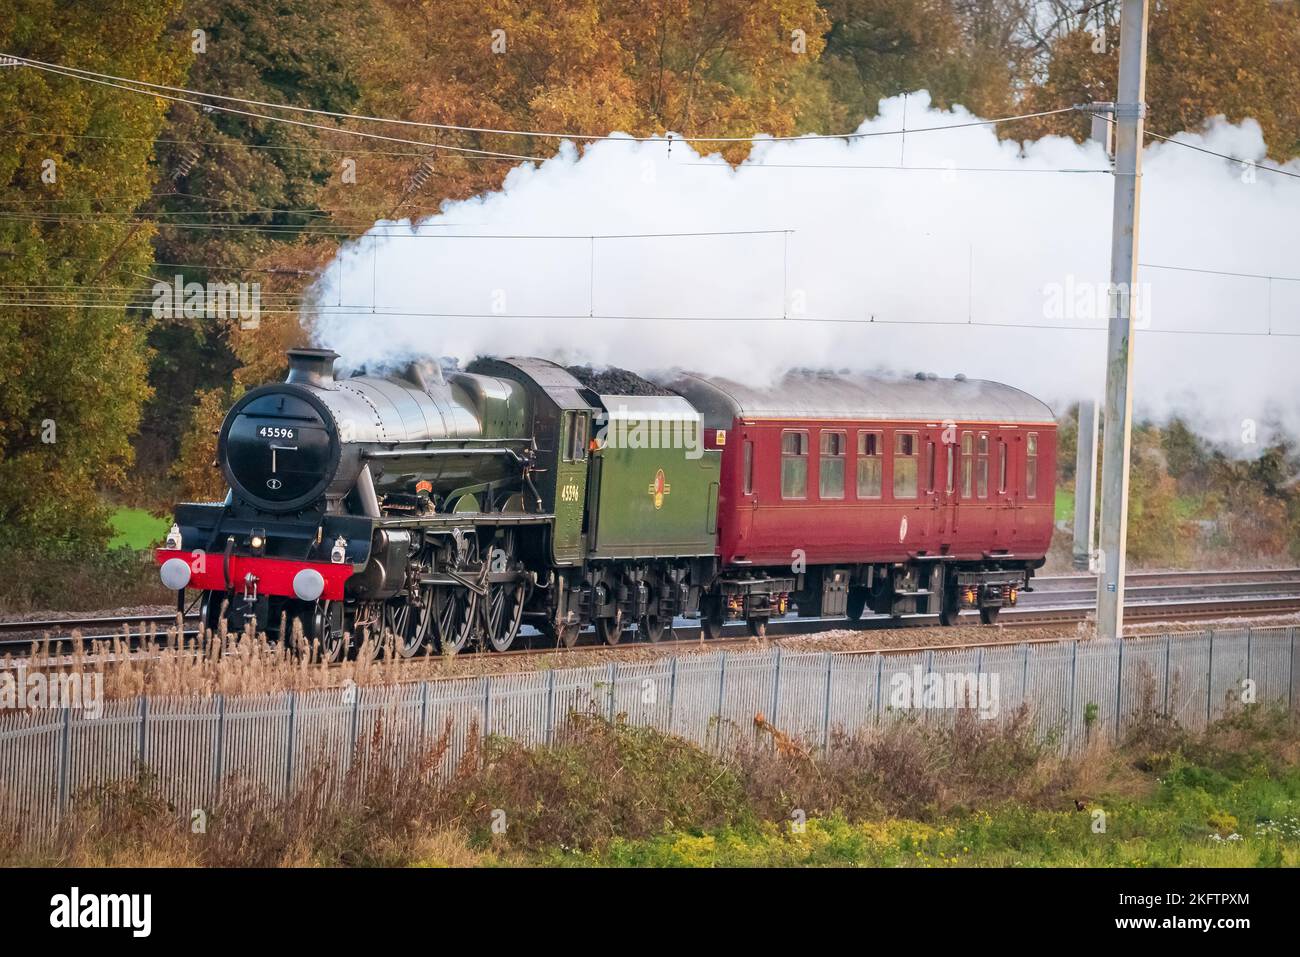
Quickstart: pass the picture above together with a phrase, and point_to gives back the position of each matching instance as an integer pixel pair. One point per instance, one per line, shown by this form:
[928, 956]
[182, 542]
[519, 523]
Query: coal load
[613, 381]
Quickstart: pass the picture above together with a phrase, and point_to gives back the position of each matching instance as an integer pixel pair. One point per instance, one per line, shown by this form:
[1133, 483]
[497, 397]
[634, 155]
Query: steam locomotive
[447, 508]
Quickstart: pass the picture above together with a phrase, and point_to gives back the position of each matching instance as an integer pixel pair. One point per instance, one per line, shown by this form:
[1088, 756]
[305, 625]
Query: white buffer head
[308, 584]
[175, 573]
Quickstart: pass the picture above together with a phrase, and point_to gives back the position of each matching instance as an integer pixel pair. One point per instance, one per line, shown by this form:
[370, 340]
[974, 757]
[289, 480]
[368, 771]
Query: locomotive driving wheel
[368, 629]
[453, 617]
[503, 611]
[503, 605]
[408, 624]
[327, 631]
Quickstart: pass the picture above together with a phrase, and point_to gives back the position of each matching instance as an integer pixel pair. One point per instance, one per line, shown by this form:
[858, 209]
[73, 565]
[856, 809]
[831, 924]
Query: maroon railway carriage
[844, 493]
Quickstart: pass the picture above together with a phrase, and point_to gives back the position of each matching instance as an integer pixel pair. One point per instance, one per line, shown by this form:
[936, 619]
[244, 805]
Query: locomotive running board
[450, 520]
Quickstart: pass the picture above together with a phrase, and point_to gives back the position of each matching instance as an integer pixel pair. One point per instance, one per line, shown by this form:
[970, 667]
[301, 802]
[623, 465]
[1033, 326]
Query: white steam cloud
[974, 258]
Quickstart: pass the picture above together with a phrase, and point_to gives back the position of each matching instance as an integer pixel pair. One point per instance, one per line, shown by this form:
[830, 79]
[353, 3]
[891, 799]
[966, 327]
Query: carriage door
[1008, 453]
[945, 488]
[747, 498]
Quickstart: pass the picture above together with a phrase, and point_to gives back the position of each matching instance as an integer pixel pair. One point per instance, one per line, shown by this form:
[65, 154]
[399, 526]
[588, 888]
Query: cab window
[576, 425]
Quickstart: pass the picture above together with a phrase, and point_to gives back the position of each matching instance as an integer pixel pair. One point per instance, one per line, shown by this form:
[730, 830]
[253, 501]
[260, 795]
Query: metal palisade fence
[1076, 690]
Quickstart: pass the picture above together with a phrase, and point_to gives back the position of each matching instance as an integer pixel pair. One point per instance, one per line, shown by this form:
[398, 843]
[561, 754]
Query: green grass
[1197, 817]
[136, 528]
[1186, 507]
[1065, 504]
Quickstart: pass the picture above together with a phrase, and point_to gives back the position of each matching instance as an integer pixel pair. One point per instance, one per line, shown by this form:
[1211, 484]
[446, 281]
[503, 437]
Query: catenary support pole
[1085, 486]
[1130, 111]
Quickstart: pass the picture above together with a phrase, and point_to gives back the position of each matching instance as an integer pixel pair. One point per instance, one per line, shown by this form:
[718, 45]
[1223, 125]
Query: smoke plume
[947, 251]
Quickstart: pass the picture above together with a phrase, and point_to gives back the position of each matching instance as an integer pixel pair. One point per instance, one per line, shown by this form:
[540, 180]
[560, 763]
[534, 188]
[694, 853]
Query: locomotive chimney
[313, 367]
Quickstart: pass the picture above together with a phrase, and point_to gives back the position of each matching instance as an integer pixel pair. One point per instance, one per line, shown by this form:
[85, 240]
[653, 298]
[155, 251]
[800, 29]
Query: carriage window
[1031, 465]
[905, 453]
[930, 461]
[982, 466]
[831, 468]
[1002, 465]
[794, 464]
[967, 465]
[870, 461]
[951, 458]
[749, 468]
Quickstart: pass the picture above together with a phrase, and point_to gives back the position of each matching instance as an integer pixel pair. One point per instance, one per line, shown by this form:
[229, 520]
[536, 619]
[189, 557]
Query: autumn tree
[724, 68]
[75, 164]
[967, 53]
[235, 190]
[1235, 58]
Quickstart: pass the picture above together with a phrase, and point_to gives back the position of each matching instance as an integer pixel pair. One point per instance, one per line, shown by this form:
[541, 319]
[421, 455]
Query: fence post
[880, 677]
[144, 729]
[1119, 687]
[550, 706]
[929, 670]
[487, 705]
[424, 710]
[65, 760]
[826, 706]
[979, 670]
[288, 769]
[776, 686]
[1024, 675]
[218, 759]
[1169, 652]
[1290, 675]
[672, 693]
[1074, 661]
[613, 676]
[722, 691]
[352, 724]
[1250, 635]
[1209, 682]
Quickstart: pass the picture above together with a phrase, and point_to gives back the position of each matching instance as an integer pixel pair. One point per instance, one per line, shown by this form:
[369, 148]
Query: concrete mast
[1130, 114]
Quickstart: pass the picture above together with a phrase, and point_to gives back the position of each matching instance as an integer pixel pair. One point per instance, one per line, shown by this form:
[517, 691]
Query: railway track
[1150, 596]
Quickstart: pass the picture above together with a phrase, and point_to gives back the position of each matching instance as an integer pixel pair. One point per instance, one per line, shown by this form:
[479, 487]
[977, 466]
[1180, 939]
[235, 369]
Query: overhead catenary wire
[368, 309]
[300, 123]
[1199, 149]
[395, 230]
[92, 76]
[228, 144]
